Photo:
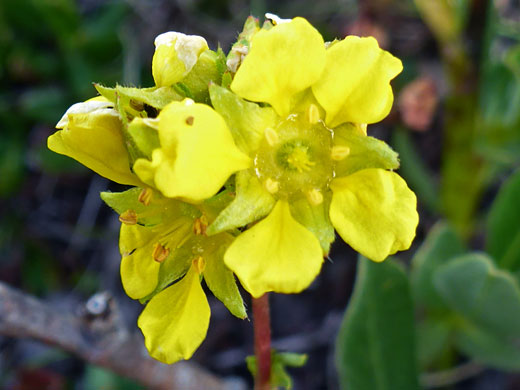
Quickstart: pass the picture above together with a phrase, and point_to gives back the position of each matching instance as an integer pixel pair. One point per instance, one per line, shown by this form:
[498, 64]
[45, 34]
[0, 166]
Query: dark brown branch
[97, 336]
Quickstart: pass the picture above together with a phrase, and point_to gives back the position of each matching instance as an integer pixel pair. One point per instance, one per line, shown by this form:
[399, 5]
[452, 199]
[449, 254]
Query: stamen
[272, 186]
[271, 136]
[200, 264]
[160, 253]
[200, 225]
[338, 153]
[145, 197]
[129, 217]
[313, 114]
[299, 159]
[315, 197]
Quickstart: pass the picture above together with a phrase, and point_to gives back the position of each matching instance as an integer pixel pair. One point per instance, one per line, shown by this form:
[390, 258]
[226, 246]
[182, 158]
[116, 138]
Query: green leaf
[474, 288]
[440, 246]
[315, 219]
[221, 280]
[417, 175]
[247, 121]
[279, 363]
[487, 303]
[206, 71]
[503, 225]
[251, 203]
[375, 345]
[365, 152]
[433, 339]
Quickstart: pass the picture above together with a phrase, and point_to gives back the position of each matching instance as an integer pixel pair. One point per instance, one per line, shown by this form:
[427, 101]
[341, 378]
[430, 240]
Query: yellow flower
[314, 165]
[91, 133]
[196, 156]
[165, 254]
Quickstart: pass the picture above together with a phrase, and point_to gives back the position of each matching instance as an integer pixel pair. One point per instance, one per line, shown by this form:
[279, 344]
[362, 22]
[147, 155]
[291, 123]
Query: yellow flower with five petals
[314, 166]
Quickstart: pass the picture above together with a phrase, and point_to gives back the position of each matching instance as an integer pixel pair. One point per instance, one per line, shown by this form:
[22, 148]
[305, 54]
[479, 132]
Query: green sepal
[135, 98]
[365, 152]
[251, 203]
[279, 363]
[207, 70]
[241, 46]
[145, 136]
[213, 206]
[247, 121]
[220, 279]
[173, 268]
[316, 219]
[159, 210]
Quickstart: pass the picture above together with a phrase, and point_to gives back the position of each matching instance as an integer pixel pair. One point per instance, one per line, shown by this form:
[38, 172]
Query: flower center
[295, 158]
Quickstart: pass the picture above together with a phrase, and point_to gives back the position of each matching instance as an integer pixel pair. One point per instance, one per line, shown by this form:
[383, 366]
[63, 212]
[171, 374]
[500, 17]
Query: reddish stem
[262, 329]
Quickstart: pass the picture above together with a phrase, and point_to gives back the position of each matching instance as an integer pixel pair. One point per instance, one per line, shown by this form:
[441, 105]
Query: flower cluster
[244, 165]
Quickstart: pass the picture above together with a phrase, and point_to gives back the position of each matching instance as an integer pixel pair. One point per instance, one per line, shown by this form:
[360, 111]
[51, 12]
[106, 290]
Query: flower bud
[174, 57]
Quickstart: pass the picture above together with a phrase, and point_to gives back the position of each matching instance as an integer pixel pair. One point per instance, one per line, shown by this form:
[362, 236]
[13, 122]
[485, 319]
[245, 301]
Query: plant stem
[262, 330]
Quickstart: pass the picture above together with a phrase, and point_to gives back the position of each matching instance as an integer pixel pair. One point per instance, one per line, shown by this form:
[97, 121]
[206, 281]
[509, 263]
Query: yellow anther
[272, 186]
[271, 136]
[160, 253]
[129, 217]
[338, 153]
[145, 197]
[200, 225]
[200, 264]
[315, 197]
[313, 114]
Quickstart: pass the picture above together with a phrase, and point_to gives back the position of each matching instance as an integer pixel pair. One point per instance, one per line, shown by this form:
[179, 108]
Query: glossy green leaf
[503, 225]
[365, 152]
[251, 203]
[375, 345]
[440, 246]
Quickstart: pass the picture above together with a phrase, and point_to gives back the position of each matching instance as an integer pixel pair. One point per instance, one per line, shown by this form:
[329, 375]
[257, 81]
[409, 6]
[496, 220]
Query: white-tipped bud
[98, 105]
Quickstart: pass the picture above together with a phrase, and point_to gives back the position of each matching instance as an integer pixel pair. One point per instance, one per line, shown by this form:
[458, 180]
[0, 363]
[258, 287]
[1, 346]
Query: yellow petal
[355, 86]
[277, 254]
[282, 61]
[174, 57]
[197, 153]
[176, 320]
[95, 140]
[375, 212]
[139, 271]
